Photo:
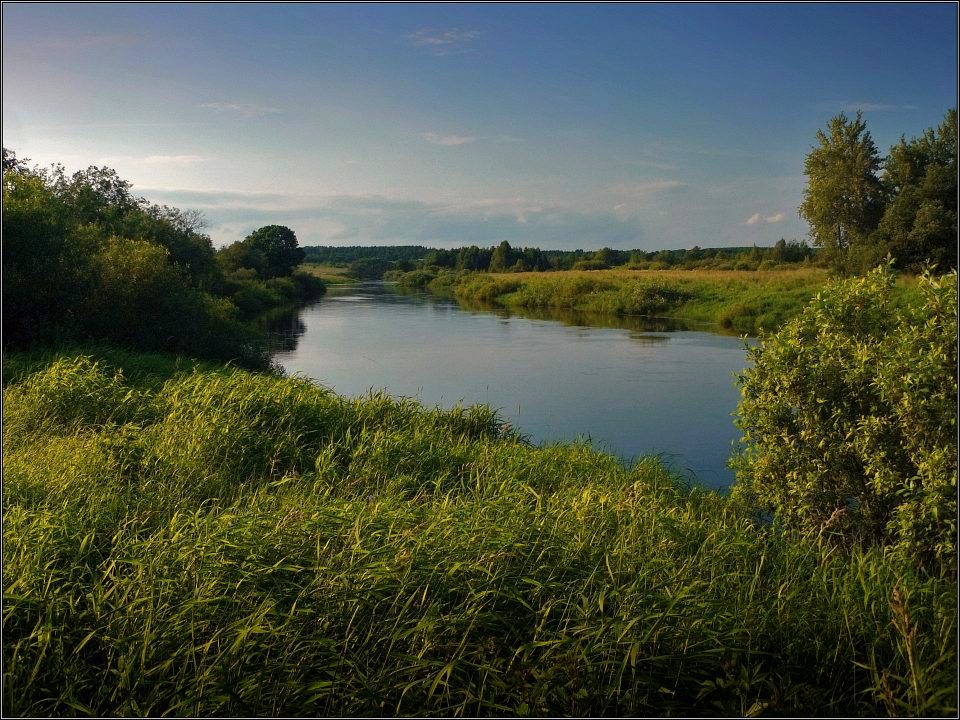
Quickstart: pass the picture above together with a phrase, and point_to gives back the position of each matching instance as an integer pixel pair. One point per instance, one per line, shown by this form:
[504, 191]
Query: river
[632, 386]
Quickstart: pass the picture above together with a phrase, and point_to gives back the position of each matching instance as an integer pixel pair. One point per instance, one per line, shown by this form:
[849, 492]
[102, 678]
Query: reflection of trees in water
[283, 330]
[639, 326]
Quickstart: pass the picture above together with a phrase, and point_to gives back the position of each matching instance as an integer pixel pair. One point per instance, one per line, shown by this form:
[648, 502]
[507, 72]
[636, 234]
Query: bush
[590, 265]
[849, 418]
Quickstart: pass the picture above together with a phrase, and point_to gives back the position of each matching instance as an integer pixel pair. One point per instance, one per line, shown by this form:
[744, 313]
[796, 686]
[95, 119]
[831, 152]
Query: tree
[278, 244]
[272, 251]
[503, 258]
[844, 198]
[919, 225]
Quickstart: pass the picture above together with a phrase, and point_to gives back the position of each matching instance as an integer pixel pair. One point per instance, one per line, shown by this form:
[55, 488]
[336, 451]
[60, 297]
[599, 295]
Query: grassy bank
[204, 541]
[740, 301]
[329, 274]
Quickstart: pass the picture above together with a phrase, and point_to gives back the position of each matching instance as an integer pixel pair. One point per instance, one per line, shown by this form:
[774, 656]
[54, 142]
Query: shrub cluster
[85, 260]
[849, 416]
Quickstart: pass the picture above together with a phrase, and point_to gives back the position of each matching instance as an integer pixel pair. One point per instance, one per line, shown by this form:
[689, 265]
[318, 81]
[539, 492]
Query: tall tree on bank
[844, 198]
[920, 223]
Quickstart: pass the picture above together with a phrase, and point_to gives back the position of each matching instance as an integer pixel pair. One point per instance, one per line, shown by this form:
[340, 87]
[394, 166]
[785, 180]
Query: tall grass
[189, 541]
[739, 301]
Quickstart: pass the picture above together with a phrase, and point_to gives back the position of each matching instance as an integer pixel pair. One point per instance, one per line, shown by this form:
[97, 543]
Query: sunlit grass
[184, 541]
[739, 301]
[330, 274]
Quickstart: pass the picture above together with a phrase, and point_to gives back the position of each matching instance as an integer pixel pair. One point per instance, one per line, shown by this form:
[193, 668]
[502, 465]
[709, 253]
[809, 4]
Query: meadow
[193, 539]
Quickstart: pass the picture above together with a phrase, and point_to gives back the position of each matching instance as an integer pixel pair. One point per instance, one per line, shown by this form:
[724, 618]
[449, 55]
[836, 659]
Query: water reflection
[633, 385]
[285, 328]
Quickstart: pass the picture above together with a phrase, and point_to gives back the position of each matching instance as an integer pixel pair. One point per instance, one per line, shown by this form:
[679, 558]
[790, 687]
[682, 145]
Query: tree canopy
[271, 251]
[843, 201]
[862, 207]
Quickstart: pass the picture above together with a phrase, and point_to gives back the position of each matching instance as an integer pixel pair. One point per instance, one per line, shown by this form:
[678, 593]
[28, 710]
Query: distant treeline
[333, 255]
[372, 261]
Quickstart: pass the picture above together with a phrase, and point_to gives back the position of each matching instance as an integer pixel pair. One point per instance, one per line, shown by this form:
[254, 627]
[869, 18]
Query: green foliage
[35, 271]
[369, 268]
[272, 251]
[844, 198]
[225, 544]
[742, 303]
[919, 226]
[84, 260]
[849, 418]
[346, 254]
[860, 218]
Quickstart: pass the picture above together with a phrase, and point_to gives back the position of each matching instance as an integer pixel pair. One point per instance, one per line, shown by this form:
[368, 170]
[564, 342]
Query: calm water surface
[639, 387]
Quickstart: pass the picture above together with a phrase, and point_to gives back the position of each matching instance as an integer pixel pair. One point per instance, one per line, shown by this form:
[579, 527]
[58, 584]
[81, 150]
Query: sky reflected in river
[636, 386]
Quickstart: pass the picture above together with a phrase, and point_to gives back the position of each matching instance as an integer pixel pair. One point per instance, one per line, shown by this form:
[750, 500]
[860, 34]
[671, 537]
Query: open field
[206, 541]
[330, 274]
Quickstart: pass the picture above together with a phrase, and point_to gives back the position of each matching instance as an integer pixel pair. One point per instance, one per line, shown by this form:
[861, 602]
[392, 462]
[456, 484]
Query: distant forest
[374, 261]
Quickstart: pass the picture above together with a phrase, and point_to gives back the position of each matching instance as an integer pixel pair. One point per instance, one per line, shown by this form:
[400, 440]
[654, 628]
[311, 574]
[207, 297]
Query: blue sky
[562, 126]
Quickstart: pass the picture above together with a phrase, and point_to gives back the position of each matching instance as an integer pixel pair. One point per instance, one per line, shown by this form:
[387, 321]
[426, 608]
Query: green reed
[200, 541]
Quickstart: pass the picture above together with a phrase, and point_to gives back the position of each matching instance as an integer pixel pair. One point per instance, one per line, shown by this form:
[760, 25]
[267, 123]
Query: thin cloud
[172, 159]
[753, 219]
[242, 109]
[443, 42]
[453, 139]
[852, 107]
[154, 159]
[775, 218]
[437, 139]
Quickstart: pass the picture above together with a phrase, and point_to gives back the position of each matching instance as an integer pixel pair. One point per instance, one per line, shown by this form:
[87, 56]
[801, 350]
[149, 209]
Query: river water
[632, 386]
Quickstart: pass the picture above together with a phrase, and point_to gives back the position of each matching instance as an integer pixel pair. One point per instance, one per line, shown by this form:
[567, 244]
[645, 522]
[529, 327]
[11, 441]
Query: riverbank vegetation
[184, 537]
[85, 260]
[199, 540]
[740, 302]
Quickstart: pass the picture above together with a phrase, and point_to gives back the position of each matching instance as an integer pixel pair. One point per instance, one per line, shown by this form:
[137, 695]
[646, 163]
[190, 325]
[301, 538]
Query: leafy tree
[83, 258]
[473, 258]
[503, 258]
[849, 420]
[278, 244]
[844, 198]
[34, 238]
[920, 223]
[271, 251]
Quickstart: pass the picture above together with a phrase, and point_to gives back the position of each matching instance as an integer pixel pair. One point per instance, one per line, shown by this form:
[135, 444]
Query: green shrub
[416, 278]
[590, 265]
[849, 418]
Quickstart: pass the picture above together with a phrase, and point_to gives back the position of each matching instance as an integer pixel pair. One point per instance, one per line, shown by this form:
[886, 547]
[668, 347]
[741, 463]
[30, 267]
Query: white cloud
[242, 109]
[443, 42]
[775, 218]
[753, 219]
[438, 139]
